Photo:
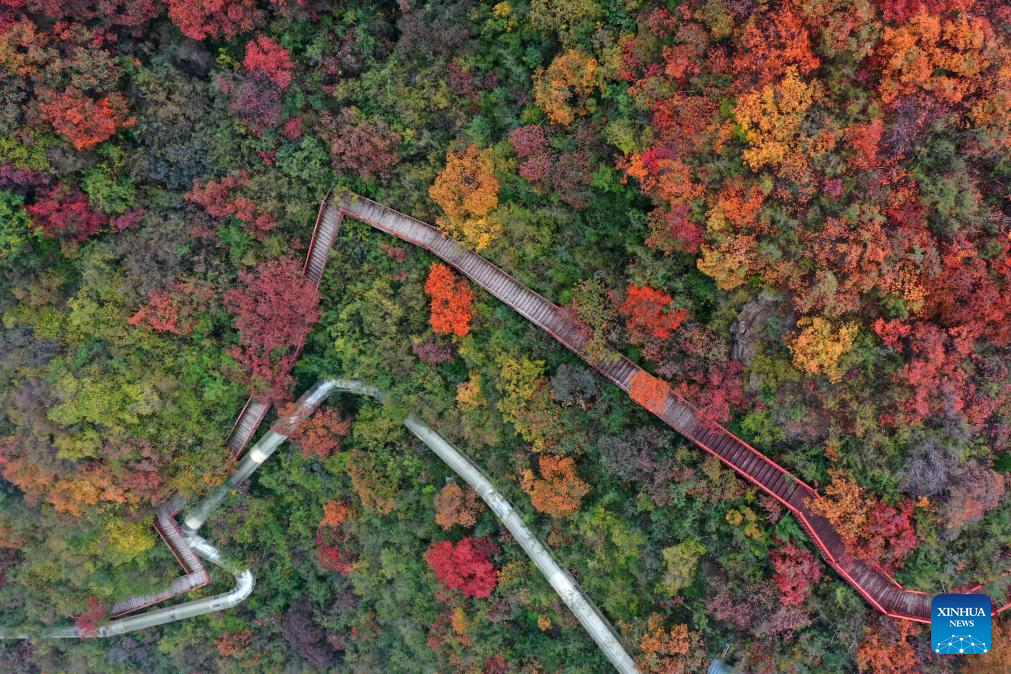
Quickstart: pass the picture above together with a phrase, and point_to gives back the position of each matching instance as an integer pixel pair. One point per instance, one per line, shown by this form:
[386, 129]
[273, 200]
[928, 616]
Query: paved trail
[866, 577]
[588, 615]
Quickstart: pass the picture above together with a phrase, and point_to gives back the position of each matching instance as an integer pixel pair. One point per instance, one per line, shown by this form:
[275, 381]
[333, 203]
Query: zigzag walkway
[868, 579]
[196, 576]
[186, 541]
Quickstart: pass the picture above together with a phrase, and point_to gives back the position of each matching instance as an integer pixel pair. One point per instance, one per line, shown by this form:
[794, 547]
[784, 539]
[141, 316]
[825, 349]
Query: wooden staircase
[869, 580]
[255, 410]
[196, 576]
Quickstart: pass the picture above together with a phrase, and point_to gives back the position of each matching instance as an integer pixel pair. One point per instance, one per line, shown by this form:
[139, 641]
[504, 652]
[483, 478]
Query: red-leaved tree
[64, 213]
[274, 311]
[82, 120]
[88, 621]
[465, 566]
[331, 538]
[797, 570]
[531, 146]
[174, 310]
[223, 198]
[889, 536]
[267, 59]
[367, 148]
[201, 19]
[647, 314]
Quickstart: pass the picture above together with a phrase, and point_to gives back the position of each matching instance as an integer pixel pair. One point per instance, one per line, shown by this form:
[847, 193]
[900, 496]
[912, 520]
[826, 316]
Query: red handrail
[553, 320]
[406, 228]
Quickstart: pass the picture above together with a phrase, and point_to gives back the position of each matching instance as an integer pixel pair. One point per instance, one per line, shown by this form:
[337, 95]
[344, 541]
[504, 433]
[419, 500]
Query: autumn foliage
[844, 504]
[647, 314]
[331, 538]
[873, 530]
[649, 391]
[837, 208]
[467, 191]
[65, 213]
[451, 299]
[367, 148]
[202, 19]
[456, 505]
[89, 484]
[82, 120]
[174, 310]
[793, 216]
[335, 513]
[320, 435]
[888, 650]
[465, 566]
[677, 650]
[818, 347]
[797, 570]
[234, 644]
[530, 144]
[89, 621]
[225, 198]
[266, 59]
[558, 491]
[562, 89]
[274, 311]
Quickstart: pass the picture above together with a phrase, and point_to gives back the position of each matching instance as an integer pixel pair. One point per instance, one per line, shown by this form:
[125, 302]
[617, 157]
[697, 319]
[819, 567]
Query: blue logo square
[960, 624]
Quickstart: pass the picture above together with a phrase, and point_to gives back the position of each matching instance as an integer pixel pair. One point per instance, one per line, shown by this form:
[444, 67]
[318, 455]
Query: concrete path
[560, 580]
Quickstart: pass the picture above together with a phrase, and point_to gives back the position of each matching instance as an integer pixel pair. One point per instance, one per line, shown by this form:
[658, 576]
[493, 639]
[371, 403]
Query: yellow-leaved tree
[467, 191]
[771, 119]
[844, 504]
[564, 88]
[818, 347]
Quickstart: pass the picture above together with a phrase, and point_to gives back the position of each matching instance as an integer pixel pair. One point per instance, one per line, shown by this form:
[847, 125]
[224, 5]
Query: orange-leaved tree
[888, 651]
[320, 435]
[559, 490]
[82, 120]
[844, 504]
[647, 314]
[331, 538]
[649, 391]
[456, 505]
[451, 298]
[562, 90]
[674, 651]
[335, 513]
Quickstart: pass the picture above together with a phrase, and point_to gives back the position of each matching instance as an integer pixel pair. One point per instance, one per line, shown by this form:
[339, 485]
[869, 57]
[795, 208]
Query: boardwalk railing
[871, 581]
[196, 576]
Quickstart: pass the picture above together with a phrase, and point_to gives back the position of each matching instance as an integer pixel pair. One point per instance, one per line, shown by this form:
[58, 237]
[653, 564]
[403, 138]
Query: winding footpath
[186, 541]
[244, 583]
[871, 581]
[868, 579]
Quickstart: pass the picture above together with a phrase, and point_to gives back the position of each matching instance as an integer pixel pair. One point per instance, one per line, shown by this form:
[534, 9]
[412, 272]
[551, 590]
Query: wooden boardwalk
[249, 419]
[869, 580]
[196, 576]
[255, 409]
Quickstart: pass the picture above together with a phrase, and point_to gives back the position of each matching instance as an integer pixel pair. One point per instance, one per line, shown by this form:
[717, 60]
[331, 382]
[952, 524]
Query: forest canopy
[795, 214]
